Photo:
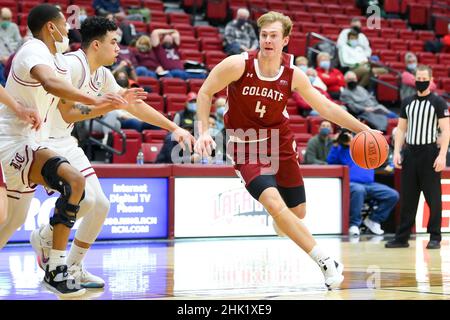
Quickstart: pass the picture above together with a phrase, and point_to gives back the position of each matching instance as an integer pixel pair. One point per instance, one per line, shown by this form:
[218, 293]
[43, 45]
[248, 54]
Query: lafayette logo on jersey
[423, 210]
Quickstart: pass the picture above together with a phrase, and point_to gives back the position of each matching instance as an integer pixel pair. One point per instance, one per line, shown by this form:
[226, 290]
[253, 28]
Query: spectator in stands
[363, 105]
[319, 145]
[10, 39]
[361, 39]
[126, 27]
[302, 63]
[439, 45]
[104, 7]
[304, 107]
[352, 56]
[239, 34]
[189, 114]
[148, 64]
[332, 77]
[408, 87]
[165, 43]
[363, 187]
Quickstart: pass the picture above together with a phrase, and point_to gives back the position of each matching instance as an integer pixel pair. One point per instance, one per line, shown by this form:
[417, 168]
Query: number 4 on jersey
[260, 109]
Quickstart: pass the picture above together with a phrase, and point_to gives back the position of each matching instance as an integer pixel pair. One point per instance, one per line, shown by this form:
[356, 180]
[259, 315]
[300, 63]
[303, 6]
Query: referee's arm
[399, 140]
[439, 163]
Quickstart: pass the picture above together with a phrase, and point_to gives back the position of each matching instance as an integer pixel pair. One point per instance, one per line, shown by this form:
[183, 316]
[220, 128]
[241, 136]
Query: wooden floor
[243, 268]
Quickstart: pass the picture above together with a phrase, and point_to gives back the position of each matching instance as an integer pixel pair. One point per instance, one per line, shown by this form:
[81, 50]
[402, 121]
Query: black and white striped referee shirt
[422, 114]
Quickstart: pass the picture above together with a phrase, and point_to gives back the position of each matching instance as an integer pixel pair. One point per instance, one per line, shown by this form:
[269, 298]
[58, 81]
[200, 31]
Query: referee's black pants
[418, 175]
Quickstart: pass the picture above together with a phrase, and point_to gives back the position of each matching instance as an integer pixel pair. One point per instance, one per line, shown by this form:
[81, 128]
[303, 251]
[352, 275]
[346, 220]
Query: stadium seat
[150, 83]
[173, 85]
[415, 45]
[174, 102]
[206, 31]
[216, 10]
[392, 123]
[194, 55]
[133, 144]
[179, 17]
[211, 43]
[151, 151]
[158, 16]
[195, 84]
[299, 127]
[156, 101]
[398, 44]
[314, 124]
[426, 58]
[153, 5]
[385, 93]
[154, 135]
[190, 43]
[185, 30]
[425, 35]
[214, 57]
[418, 13]
[444, 58]
[405, 34]
[392, 6]
[445, 84]
[302, 138]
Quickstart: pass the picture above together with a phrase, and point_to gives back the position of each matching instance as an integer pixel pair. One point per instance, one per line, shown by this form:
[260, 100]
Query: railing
[92, 141]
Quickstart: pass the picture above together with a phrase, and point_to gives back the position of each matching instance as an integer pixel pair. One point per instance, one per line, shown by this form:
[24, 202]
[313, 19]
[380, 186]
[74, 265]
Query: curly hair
[95, 28]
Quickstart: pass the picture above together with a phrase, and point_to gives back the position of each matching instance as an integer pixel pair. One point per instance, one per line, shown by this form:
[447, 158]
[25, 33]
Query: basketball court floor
[243, 268]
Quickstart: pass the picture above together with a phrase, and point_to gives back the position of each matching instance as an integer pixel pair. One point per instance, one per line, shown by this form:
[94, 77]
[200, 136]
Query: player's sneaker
[373, 226]
[59, 282]
[85, 278]
[277, 229]
[332, 271]
[41, 247]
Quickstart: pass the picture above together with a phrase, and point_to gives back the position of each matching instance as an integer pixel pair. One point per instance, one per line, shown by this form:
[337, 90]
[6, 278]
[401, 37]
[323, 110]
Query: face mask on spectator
[411, 66]
[421, 86]
[82, 17]
[240, 22]
[325, 64]
[324, 131]
[123, 83]
[192, 106]
[353, 43]
[220, 111]
[144, 48]
[167, 45]
[312, 79]
[356, 29]
[303, 68]
[5, 24]
[352, 84]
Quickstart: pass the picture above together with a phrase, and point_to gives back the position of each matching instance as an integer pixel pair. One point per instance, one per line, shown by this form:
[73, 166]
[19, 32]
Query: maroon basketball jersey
[257, 102]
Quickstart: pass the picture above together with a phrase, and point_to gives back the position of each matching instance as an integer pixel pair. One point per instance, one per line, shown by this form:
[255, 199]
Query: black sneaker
[59, 282]
[434, 244]
[396, 244]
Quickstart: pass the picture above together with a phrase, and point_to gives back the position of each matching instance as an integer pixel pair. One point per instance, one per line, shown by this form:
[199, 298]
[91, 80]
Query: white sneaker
[41, 247]
[332, 271]
[353, 231]
[373, 226]
[85, 278]
[278, 230]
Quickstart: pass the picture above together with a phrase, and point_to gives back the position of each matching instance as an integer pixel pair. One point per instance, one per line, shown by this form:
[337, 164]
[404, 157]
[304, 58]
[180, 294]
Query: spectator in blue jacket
[362, 187]
[103, 7]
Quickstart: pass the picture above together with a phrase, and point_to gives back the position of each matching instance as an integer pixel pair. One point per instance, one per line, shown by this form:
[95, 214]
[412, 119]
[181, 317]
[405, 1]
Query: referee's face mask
[422, 80]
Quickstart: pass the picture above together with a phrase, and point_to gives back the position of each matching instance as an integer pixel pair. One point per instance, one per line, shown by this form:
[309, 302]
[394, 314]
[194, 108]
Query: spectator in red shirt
[147, 61]
[165, 44]
[332, 77]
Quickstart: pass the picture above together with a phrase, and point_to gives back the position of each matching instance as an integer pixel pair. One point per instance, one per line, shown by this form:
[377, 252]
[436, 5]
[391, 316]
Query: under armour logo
[249, 75]
[283, 82]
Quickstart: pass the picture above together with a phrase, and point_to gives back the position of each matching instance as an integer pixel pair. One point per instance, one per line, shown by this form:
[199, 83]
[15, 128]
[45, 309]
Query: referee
[420, 117]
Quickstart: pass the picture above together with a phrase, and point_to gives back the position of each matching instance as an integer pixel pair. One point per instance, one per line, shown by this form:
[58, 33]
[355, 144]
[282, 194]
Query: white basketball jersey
[27, 91]
[100, 82]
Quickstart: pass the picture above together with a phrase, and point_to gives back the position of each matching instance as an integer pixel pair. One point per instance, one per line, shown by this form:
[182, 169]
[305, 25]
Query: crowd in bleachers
[164, 52]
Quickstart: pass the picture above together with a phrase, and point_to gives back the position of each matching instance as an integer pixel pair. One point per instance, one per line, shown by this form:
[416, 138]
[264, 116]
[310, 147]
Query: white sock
[57, 258]
[47, 232]
[76, 254]
[318, 255]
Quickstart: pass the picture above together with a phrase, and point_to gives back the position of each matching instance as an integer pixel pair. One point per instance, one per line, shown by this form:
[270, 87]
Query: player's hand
[397, 160]
[183, 137]
[132, 96]
[439, 163]
[29, 115]
[110, 99]
[204, 145]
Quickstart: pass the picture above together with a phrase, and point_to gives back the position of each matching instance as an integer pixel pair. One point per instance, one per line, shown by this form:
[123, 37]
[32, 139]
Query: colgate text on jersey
[263, 92]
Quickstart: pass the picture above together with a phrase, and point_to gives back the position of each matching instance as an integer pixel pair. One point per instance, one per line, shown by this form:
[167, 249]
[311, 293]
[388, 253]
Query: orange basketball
[369, 149]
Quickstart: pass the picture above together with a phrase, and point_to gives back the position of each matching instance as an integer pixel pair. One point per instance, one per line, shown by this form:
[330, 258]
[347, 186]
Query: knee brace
[54, 181]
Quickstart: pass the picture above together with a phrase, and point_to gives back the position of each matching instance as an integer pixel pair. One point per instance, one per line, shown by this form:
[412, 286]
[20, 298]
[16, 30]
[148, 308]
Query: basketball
[369, 149]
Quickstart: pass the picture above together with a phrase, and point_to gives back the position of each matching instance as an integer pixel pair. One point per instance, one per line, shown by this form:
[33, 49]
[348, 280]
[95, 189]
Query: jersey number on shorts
[260, 109]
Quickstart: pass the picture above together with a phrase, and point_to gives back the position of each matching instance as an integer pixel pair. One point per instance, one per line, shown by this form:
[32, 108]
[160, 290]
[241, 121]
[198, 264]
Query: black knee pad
[257, 186]
[49, 173]
[66, 215]
[293, 196]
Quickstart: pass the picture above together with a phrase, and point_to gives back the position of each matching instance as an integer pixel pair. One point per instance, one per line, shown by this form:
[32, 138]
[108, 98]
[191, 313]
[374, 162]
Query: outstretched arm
[326, 108]
[29, 115]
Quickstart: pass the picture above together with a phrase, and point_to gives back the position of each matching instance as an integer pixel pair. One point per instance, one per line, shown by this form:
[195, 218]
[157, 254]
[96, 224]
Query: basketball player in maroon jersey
[259, 85]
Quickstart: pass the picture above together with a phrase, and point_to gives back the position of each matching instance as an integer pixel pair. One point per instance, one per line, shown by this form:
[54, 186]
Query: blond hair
[271, 17]
[144, 40]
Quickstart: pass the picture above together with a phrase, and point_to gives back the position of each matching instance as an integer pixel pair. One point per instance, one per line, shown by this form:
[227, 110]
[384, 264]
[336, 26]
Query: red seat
[392, 123]
[444, 58]
[133, 144]
[315, 7]
[173, 85]
[399, 66]
[385, 93]
[185, 30]
[28, 5]
[440, 71]
[303, 17]
[426, 58]
[158, 25]
[216, 10]
[415, 45]
[154, 135]
[276, 5]
[321, 18]
[445, 84]
[425, 35]
[388, 55]
[377, 44]
[398, 44]
[153, 5]
[388, 33]
[195, 84]
[214, 57]
[405, 34]
[310, 27]
[314, 124]
[302, 138]
[294, 119]
[206, 31]
[130, 3]
[441, 24]
[418, 13]
[328, 28]
[333, 9]
[392, 6]
[151, 151]
[158, 16]
[190, 43]
[371, 33]
[156, 101]
[149, 82]
[299, 127]
[179, 17]
[188, 4]
[211, 44]
[297, 46]
[194, 55]
[175, 102]
[140, 26]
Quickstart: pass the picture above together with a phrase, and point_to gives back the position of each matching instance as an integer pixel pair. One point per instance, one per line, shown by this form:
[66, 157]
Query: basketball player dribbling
[30, 116]
[259, 85]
